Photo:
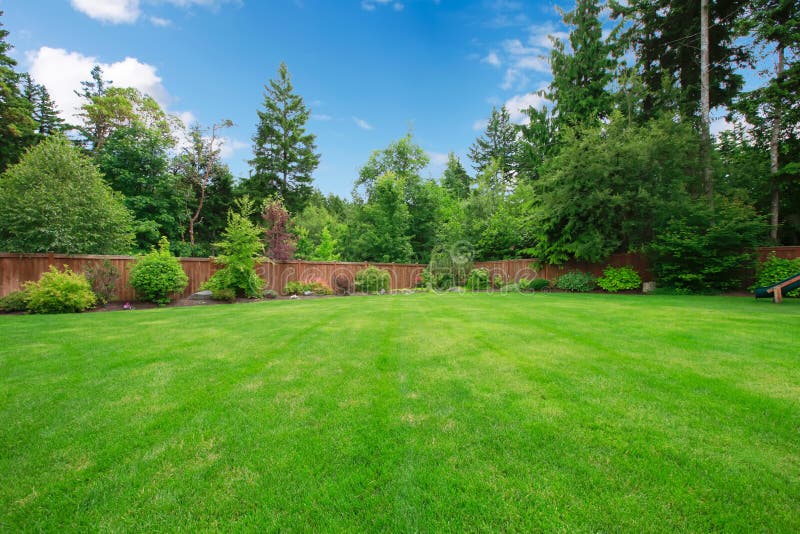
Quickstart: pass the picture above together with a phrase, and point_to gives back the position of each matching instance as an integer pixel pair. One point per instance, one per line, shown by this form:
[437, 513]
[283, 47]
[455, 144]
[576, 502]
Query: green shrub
[619, 279]
[444, 281]
[536, 284]
[269, 294]
[372, 280]
[241, 252]
[775, 269]
[426, 279]
[103, 278]
[226, 294]
[478, 279]
[703, 251]
[60, 292]
[158, 275]
[451, 265]
[316, 286]
[511, 288]
[576, 281]
[14, 301]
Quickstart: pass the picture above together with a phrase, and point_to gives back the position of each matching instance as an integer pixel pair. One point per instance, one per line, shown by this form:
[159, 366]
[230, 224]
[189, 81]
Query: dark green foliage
[611, 188]
[241, 251]
[16, 301]
[17, 127]
[536, 144]
[619, 279]
[381, 229]
[135, 161]
[582, 73]
[576, 281]
[775, 269]
[699, 251]
[536, 284]
[455, 179]
[478, 279]
[223, 293]
[103, 278]
[284, 153]
[59, 292]
[317, 287]
[665, 37]
[402, 158]
[451, 264]
[496, 147]
[372, 280]
[55, 200]
[158, 275]
[269, 294]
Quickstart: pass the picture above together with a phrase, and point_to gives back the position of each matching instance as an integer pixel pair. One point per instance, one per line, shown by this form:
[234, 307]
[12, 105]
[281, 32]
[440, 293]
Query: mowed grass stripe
[406, 413]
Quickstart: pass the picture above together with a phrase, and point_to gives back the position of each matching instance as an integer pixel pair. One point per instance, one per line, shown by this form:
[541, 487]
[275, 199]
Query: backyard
[423, 412]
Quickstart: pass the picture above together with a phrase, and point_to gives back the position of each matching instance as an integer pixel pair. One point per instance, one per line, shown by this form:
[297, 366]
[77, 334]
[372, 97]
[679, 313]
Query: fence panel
[16, 269]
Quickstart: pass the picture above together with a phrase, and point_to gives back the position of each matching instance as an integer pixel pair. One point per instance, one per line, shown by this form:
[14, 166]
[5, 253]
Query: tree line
[621, 161]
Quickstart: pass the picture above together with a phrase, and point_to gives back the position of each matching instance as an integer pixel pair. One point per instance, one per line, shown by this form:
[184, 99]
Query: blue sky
[368, 69]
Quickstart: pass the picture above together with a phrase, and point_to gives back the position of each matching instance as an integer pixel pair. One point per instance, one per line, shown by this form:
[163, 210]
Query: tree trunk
[705, 103]
[203, 183]
[774, 150]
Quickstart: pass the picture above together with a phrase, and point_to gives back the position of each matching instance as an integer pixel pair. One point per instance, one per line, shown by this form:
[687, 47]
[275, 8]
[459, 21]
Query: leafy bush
[14, 301]
[426, 279]
[60, 292]
[576, 281]
[701, 251]
[372, 279]
[619, 279]
[103, 278]
[241, 252]
[269, 294]
[451, 265]
[478, 279]
[775, 269]
[499, 280]
[536, 284]
[158, 275]
[298, 287]
[225, 293]
[511, 288]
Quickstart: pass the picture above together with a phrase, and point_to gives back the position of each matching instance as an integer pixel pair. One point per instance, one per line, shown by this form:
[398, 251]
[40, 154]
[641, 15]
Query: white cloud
[371, 5]
[537, 63]
[128, 11]
[62, 72]
[113, 11]
[516, 48]
[161, 23]
[539, 35]
[480, 124]
[228, 146]
[492, 59]
[437, 158]
[361, 123]
[514, 78]
[719, 125]
[517, 103]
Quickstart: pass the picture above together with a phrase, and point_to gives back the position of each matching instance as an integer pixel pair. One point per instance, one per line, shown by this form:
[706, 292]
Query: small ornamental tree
[280, 241]
[158, 275]
[241, 253]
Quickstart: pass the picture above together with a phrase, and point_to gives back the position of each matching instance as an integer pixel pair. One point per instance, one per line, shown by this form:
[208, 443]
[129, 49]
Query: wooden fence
[16, 269]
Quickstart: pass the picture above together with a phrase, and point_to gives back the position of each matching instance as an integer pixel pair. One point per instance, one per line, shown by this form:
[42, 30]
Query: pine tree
[665, 37]
[16, 124]
[581, 75]
[498, 144]
[455, 179]
[284, 153]
[43, 109]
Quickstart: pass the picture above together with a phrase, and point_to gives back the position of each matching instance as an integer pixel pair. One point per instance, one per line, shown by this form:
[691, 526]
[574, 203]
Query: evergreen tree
[774, 109]
[284, 153]
[326, 250]
[455, 179]
[17, 128]
[43, 109]
[497, 144]
[581, 75]
[665, 37]
[537, 142]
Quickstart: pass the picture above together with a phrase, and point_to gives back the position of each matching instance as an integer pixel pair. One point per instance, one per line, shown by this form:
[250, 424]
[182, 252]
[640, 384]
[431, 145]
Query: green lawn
[406, 413]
